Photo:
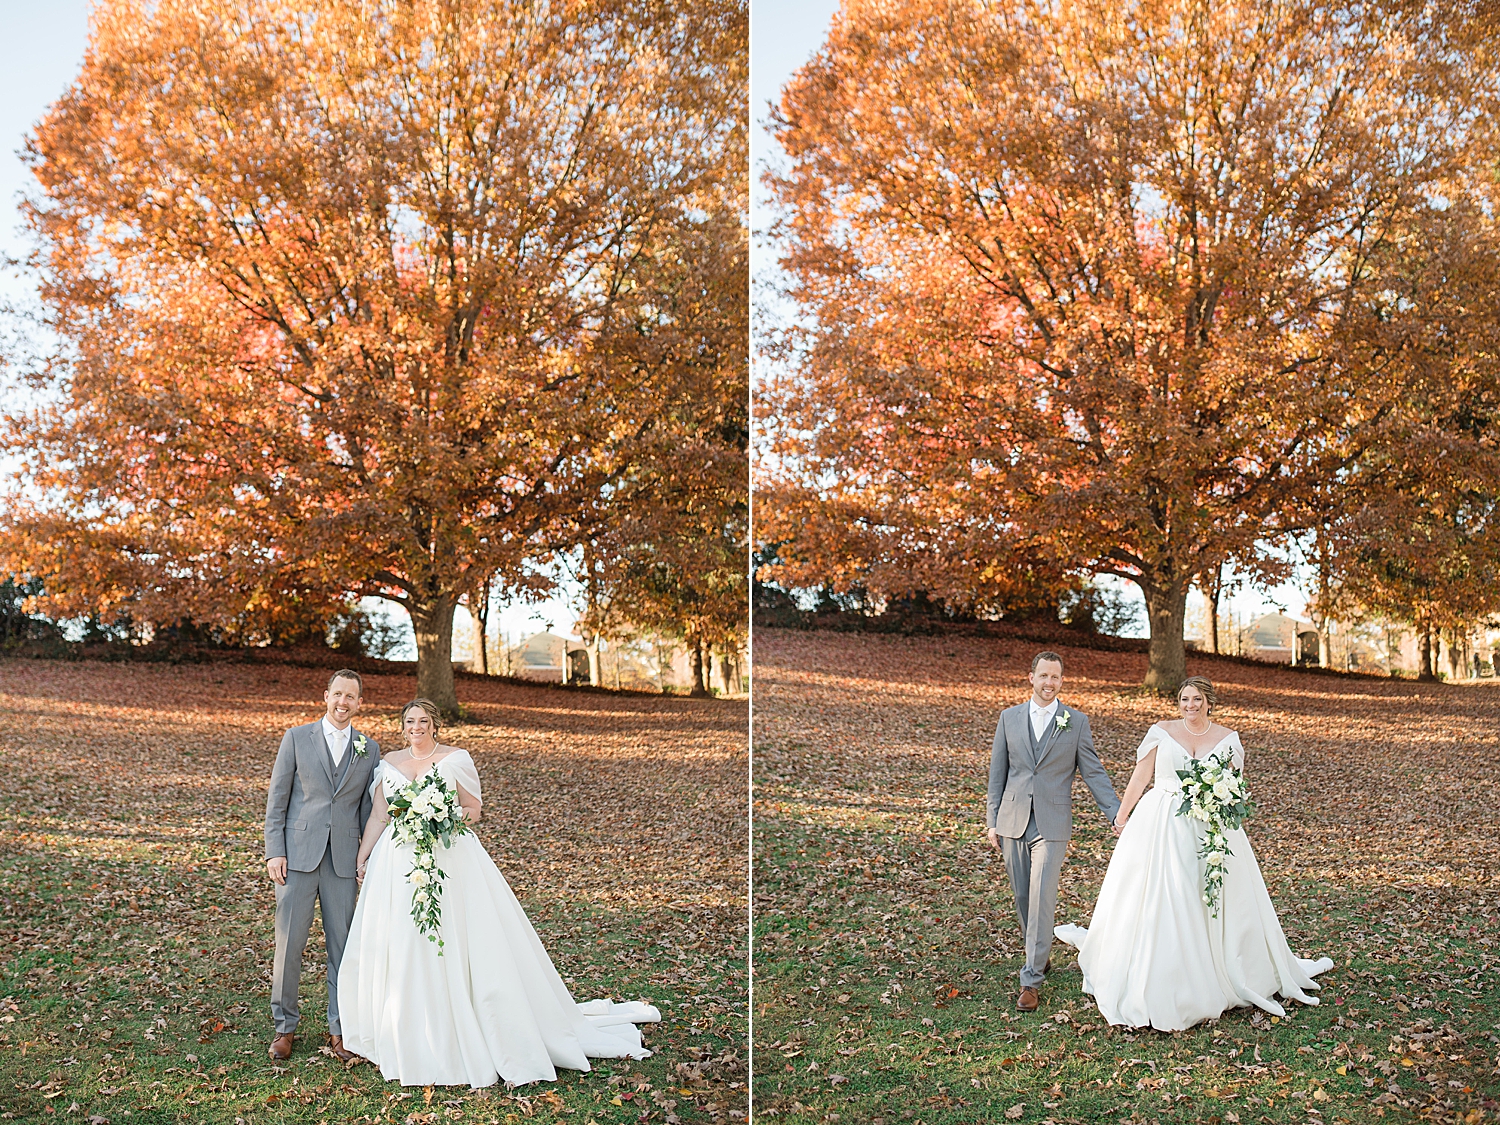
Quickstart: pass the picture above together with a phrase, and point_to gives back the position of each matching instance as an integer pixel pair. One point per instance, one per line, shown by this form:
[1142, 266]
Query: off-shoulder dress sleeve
[1149, 743]
[1236, 750]
[377, 778]
[464, 772]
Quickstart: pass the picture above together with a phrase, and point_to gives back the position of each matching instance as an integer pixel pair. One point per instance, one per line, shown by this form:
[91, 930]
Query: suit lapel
[1020, 732]
[1050, 735]
[321, 751]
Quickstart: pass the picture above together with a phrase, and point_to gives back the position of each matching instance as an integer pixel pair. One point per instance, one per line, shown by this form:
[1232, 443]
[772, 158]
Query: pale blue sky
[783, 35]
[46, 44]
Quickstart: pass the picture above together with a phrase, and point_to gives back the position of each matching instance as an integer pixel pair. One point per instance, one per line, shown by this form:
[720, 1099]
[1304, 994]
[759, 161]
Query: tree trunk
[1325, 646]
[1213, 609]
[1425, 670]
[695, 652]
[432, 622]
[477, 661]
[484, 627]
[1166, 655]
[596, 670]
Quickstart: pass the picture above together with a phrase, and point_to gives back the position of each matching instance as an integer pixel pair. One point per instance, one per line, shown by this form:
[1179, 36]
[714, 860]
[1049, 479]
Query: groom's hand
[276, 869]
[993, 837]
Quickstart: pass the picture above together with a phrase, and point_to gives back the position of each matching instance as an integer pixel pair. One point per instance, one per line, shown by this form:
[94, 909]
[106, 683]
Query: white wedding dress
[492, 1006]
[1153, 955]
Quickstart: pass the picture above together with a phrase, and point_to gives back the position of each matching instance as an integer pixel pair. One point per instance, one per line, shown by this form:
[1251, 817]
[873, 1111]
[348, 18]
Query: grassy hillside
[887, 951]
[136, 927]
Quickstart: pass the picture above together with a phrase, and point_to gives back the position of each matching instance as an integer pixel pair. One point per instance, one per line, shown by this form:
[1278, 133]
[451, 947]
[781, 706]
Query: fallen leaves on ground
[137, 914]
[1378, 832]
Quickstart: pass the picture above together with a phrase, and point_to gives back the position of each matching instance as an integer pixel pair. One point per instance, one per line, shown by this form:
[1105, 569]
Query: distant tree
[666, 545]
[1097, 283]
[1411, 531]
[357, 297]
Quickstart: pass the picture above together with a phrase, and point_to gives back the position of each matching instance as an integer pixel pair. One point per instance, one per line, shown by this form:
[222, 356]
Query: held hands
[1121, 818]
[276, 869]
[993, 837]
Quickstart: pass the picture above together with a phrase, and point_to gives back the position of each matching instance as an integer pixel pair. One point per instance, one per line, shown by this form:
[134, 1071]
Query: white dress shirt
[1040, 717]
[338, 740]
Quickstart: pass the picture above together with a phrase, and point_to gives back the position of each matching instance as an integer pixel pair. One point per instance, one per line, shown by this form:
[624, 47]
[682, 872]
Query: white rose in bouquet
[426, 814]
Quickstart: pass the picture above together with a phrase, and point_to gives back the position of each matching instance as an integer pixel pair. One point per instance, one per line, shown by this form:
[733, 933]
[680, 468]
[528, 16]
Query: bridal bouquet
[424, 813]
[1214, 792]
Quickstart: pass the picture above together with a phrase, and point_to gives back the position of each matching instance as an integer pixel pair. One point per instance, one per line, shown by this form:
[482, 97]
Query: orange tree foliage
[666, 546]
[373, 298]
[1412, 532]
[1097, 285]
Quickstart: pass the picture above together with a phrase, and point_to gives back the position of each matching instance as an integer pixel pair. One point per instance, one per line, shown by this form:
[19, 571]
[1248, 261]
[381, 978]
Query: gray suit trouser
[1035, 868]
[294, 915]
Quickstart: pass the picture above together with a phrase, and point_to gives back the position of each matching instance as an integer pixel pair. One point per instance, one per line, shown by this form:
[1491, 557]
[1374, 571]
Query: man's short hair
[1039, 657]
[350, 674]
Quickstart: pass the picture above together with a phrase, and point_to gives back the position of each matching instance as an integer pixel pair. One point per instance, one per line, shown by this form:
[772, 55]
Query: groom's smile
[343, 699]
[1046, 681]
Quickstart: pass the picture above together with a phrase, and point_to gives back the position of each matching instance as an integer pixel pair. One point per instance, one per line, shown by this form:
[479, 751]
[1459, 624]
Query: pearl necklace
[424, 758]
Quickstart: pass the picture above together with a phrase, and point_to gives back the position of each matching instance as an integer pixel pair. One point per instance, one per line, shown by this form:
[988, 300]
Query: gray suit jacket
[313, 807]
[1022, 784]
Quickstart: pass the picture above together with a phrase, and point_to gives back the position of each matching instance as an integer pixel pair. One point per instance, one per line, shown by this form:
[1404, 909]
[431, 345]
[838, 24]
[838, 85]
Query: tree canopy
[1102, 286]
[374, 298]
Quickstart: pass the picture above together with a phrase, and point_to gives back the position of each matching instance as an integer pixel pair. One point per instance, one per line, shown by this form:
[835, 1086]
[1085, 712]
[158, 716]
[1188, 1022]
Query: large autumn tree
[1093, 283]
[359, 296]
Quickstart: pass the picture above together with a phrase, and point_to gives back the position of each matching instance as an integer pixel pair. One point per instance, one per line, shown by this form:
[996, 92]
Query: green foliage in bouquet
[425, 813]
[1214, 792]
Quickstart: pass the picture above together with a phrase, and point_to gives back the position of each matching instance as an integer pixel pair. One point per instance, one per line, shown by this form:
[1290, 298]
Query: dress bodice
[456, 769]
[1172, 756]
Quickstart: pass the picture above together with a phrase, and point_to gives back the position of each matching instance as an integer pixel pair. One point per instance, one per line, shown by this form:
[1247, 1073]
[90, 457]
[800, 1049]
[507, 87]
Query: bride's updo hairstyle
[1203, 685]
[432, 713]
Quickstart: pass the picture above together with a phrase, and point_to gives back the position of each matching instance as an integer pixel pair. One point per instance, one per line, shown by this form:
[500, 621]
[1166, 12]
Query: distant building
[1377, 646]
[1280, 639]
[640, 663]
[541, 655]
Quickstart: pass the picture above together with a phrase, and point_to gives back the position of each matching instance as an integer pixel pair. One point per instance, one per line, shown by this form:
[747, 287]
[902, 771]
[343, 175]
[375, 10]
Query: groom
[317, 808]
[1039, 746]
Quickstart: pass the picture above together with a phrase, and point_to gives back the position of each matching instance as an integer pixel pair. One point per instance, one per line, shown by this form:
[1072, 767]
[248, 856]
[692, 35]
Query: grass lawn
[136, 926]
[887, 950]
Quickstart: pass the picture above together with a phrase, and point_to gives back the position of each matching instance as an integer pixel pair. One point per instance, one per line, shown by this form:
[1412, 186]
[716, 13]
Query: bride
[1154, 955]
[491, 1006]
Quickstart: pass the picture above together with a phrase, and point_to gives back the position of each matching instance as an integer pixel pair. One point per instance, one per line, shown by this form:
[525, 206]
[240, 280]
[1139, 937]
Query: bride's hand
[359, 870]
[1121, 819]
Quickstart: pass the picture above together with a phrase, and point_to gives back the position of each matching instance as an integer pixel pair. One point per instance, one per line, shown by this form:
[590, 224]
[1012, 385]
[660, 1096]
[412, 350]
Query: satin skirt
[1153, 956]
[491, 1008]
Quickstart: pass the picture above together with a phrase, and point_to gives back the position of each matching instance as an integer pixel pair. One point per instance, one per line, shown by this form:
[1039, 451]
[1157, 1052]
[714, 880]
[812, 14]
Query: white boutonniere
[1063, 719]
[359, 746]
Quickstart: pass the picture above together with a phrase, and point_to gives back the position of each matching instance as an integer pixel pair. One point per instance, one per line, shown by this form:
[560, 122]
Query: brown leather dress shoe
[281, 1047]
[336, 1045]
[1029, 1000]
[1047, 968]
